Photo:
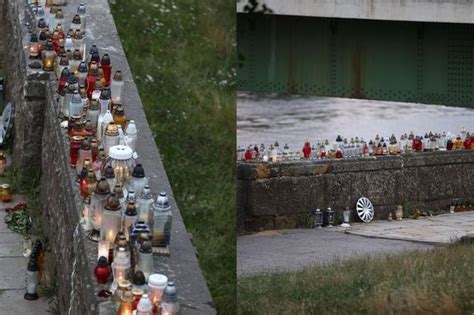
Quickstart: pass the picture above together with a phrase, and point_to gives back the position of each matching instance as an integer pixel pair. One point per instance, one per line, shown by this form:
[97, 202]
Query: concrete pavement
[13, 270]
[273, 251]
[442, 229]
[282, 250]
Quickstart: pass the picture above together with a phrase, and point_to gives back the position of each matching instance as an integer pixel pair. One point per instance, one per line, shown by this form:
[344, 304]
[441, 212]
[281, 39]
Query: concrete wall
[451, 11]
[41, 146]
[282, 195]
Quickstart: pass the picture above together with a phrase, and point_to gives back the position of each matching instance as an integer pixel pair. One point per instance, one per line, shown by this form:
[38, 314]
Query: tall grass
[439, 281]
[181, 53]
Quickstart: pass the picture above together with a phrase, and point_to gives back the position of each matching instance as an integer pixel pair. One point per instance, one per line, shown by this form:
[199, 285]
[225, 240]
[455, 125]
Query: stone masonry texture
[40, 145]
[282, 195]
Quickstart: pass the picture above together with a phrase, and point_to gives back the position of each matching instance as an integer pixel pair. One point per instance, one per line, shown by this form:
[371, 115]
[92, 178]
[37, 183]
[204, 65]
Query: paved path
[293, 249]
[437, 229]
[13, 270]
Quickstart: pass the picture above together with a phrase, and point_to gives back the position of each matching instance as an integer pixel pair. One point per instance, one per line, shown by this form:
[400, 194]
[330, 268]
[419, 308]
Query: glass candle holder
[63, 80]
[330, 217]
[81, 10]
[94, 145]
[6, 193]
[145, 259]
[169, 304]
[248, 154]
[449, 145]
[105, 101]
[156, 286]
[48, 56]
[75, 105]
[137, 294]
[138, 181]
[3, 163]
[107, 68]
[103, 121]
[118, 190]
[131, 132]
[70, 89]
[62, 62]
[35, 46]
[81, 74]
[51, 15]
[122, 137]
[93, 114]
[94, 56]
[119, 116]
[306, 150]
[458, 143]
[117, 87]
[98, 201]
[318, 218]
[32, 280]
[145, 305]
[42, 39]
[79, 42]
[126, 307]
[77, 126]
[139, 281]
[84, 154]
[91, 78]
[121, 242]
[41, 26]
[145, 201]
[103, 249]
[86, 211]
[102, 270]
[109, 175]
[121, 160]
[111, 219]
[111, 137]
[96, 166]
[121, 266]
[27, 246]
[130, 218]
[399, 213]
[162, 220]
[59, 17]
[76, 22]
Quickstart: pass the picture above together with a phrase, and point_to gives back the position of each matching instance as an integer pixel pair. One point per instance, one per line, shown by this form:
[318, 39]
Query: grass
[438, 281]
[28, 184]
[181, 53]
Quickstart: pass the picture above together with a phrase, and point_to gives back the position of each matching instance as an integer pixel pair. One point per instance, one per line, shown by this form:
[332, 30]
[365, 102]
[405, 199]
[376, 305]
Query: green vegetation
[439, 281]
[27, 220]
[182, 57]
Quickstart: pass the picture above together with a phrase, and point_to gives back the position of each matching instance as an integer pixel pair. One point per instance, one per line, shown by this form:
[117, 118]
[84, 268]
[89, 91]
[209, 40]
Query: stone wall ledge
[42, 146]
[255, 170]
[282, 195]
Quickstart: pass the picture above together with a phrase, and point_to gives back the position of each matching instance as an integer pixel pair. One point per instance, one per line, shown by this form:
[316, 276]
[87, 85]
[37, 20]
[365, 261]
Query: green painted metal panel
[385, 60]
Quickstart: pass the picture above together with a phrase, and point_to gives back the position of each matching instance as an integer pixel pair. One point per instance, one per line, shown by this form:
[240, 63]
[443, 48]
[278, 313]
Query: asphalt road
[274, 251]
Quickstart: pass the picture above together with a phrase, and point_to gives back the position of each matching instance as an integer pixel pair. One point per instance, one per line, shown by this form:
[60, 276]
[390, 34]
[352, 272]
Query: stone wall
[281, 195]
[40, 145]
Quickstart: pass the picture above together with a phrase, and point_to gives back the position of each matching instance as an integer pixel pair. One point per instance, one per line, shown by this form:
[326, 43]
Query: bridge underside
[384, 60]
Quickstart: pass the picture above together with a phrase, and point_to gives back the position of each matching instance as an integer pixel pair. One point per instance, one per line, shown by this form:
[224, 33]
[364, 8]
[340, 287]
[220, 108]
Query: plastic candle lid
[120, 152]
[157, 280]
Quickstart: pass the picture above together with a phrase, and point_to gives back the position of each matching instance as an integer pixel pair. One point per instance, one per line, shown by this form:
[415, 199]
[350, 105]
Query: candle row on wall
[120, 211]
[355, 147]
